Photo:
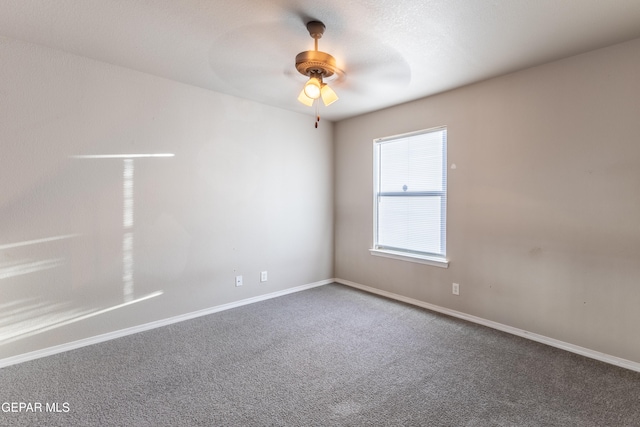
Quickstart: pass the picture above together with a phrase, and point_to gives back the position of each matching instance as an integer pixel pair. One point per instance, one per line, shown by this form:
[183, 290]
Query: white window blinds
[411, 193]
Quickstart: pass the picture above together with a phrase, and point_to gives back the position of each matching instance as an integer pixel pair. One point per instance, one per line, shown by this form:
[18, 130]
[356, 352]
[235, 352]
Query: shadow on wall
[56, 279]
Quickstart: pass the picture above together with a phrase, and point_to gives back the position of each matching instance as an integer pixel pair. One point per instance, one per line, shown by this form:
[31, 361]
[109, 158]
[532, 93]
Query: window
[410, 196]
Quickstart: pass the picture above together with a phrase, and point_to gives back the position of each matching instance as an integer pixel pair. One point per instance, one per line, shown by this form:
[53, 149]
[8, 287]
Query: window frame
[438, 260]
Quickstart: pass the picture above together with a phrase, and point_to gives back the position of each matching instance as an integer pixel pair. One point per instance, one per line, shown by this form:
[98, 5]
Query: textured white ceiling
[393, 51]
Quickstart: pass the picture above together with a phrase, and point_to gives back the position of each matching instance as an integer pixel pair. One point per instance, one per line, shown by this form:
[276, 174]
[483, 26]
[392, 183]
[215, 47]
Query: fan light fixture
[317, 66]
[312, 87]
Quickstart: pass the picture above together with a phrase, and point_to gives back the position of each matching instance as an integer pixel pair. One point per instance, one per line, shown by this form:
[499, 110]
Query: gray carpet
[328, 356]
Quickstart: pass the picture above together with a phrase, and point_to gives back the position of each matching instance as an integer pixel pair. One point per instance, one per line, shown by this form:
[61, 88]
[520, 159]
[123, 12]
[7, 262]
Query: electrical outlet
[238, 280]
[455, 289]
[263, 276]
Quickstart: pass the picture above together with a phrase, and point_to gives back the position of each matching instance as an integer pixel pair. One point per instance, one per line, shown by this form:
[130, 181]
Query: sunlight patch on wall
[128, 285]
[30, 314]
[27, 266]
[18, 268]
[38, 317]
[120, 156]
[127, 224]
[37, 241]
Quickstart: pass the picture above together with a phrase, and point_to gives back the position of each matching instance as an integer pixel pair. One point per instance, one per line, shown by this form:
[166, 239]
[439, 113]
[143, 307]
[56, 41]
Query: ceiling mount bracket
[316, 29]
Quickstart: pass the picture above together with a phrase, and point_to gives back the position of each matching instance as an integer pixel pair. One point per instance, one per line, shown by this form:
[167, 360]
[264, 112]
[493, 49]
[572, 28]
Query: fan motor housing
[314, 61]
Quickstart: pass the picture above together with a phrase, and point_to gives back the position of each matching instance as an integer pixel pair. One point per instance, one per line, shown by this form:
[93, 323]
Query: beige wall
[543, 212]
[249, 189]
[544, 205]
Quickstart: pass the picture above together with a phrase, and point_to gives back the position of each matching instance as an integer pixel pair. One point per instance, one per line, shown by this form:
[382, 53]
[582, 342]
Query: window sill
[421, 259]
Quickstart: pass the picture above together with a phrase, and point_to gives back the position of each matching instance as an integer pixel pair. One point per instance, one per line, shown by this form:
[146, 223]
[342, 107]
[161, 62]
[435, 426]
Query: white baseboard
[603, 357]
[152, 325]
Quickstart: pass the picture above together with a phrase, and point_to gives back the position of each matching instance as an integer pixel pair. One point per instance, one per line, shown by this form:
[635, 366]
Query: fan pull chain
[317, 113]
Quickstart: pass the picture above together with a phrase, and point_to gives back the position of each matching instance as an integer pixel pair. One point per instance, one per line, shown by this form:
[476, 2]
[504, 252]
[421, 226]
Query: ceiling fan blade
[247, 61]
[370, 65]
[378, 76]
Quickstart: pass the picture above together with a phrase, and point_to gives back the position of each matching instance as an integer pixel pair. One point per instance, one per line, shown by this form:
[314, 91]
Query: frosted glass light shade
[303, 98]
[328, 95]
[312, 88]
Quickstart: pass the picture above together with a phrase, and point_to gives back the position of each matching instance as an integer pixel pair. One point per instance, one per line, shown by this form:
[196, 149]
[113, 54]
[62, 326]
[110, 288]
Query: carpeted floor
[328, 356]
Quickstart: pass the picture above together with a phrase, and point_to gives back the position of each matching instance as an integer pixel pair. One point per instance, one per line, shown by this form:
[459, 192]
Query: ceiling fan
[360, 67]
[317, 66]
